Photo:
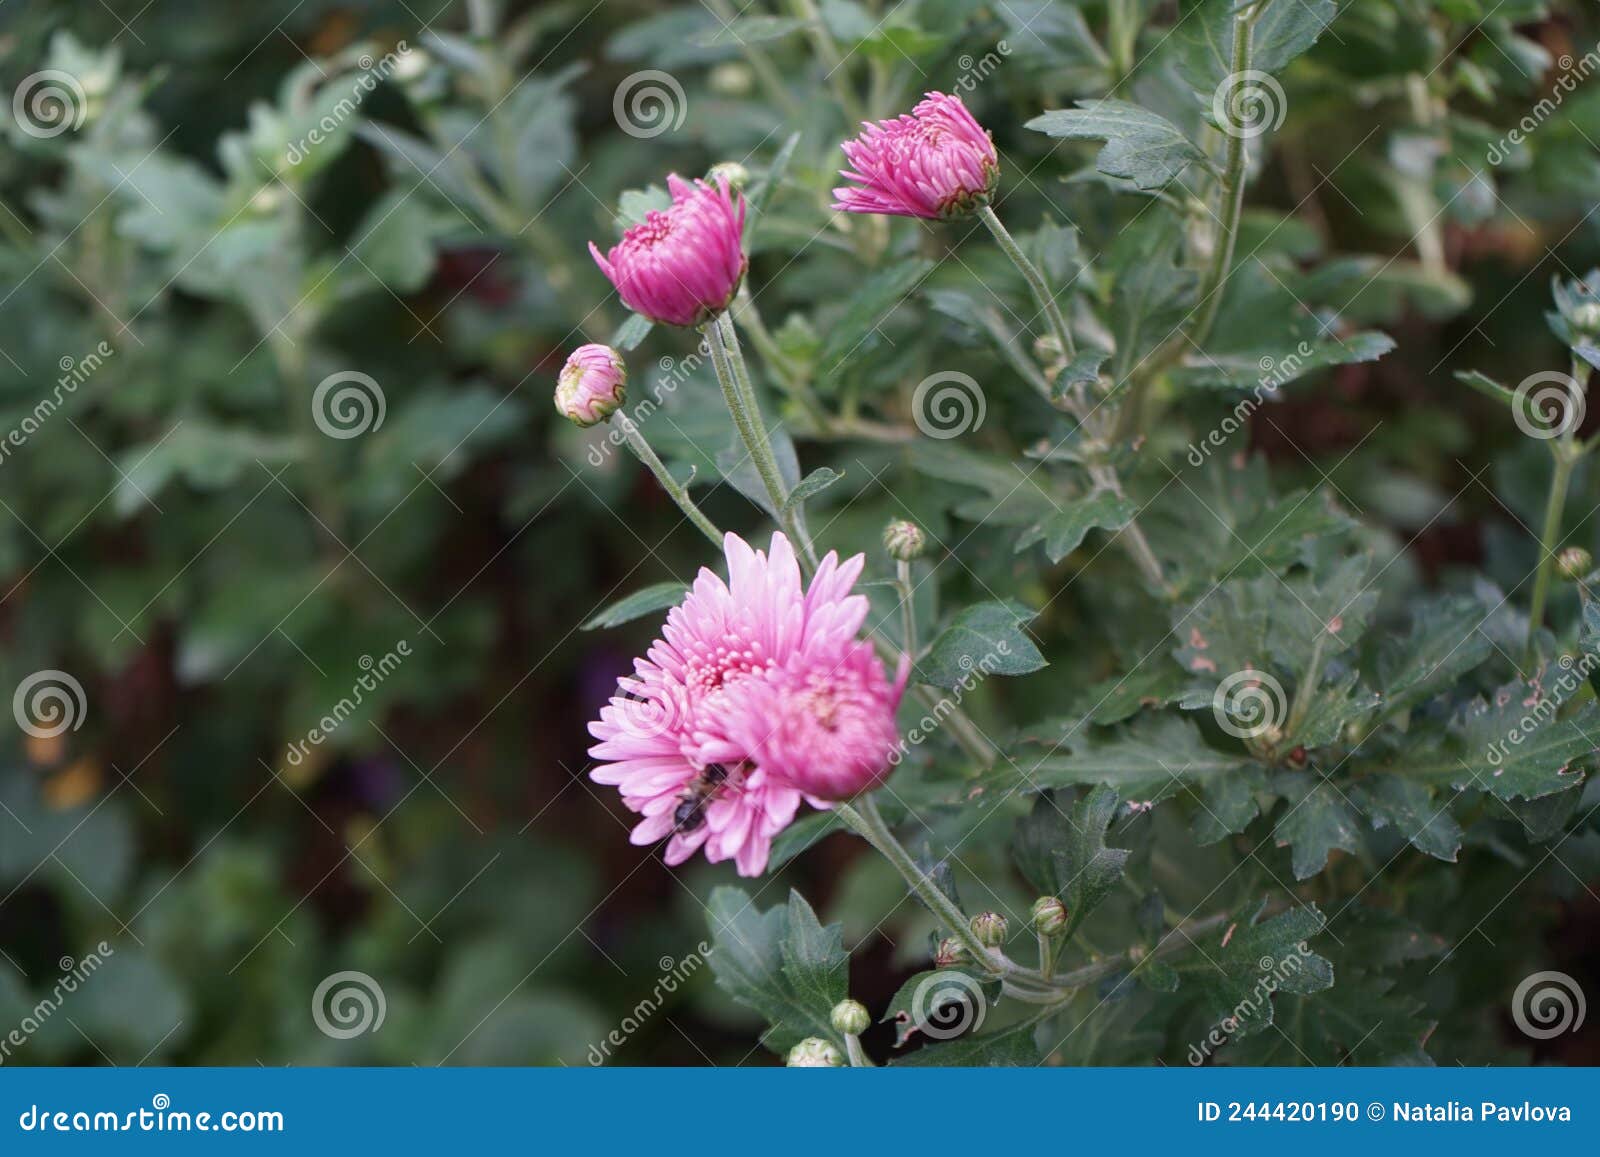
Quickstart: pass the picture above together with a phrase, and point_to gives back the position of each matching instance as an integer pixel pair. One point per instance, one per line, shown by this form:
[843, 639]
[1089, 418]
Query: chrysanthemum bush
[1090, 502]
[1164, 759]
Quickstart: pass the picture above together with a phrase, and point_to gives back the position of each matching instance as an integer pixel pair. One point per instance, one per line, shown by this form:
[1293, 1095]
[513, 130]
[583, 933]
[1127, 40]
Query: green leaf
[744, 30]
[1063, 531]
[1362, 1021]
[753, 952]
[1148, 760]
[640, 603]
[203, 455]
[1318, 820]
[1140, 146]
[630, 333]
[1445, 643]
[1413, 810]
[1090, 870]
[987, 638]
[1011, 1048]
[941, 1004]
[1488, 387]
[1152, 295]
[811, 485]
[867, 308]
[1271, 368]
[814, 960]
[1013, 495]
[1203, 37]
[1239, 978]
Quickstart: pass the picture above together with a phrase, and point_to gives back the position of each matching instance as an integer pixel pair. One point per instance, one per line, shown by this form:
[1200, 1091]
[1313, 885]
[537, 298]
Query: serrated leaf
[1319, 819]
[811, 485]
[867, 308]
[1240, 977]
[814, 960]
[1445, 643]
[1140, 146]
[1275, 367]
[940, 1004]
[1204, 37]
[1148, 760]
[1012, 1048]
[748, 961]
[987, 638]
[652, 598]
[1413, 810]
[1089, 870]
[1063, 531]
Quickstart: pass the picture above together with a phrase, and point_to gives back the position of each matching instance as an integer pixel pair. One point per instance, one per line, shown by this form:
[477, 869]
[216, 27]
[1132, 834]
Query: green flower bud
[1574, 562]
[989, 928]
[733, 172]
[814, 1053]
[850, 1017]
[1049, 916]
[904, 540]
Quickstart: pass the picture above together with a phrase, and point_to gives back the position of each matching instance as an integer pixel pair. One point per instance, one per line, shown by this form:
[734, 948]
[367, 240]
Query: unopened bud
[1049, 916]
[850, 1017]
[814, 1053]
[989, 928]
[733, 172]
[592, 385]
[904, 540]
[1574, 562]
[1585, 318]
[950, 951]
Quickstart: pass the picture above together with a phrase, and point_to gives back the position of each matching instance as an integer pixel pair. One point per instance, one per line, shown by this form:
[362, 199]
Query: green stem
[857, 1055]
[740, 394]
[1307, 690]
[761, 64]
[908, 614]
[680, 494]
[863, 818]
[1036, 282]
[1047, 956]
[1555, 504]
[828, 50]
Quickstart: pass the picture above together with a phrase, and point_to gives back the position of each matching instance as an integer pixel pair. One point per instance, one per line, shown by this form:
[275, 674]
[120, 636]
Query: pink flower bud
[681, 265]
[938, 162]
[592, 384]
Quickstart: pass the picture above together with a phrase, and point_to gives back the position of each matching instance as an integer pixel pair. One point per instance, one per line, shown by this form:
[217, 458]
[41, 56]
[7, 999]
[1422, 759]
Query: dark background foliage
[213, 569]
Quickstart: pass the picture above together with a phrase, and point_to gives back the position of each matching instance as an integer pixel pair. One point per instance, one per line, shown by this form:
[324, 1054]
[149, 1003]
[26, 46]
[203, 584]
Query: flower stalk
[678, 492]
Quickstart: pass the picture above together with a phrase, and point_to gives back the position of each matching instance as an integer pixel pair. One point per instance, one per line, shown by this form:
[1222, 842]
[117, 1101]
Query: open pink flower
[683, 264]
[708, 739]
[936, 162]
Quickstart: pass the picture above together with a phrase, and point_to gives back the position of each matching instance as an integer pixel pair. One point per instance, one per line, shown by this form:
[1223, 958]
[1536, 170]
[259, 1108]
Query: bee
[691, 811]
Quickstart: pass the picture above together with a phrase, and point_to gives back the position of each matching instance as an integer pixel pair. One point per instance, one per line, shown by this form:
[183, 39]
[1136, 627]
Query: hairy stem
[680, 494]
[1040, 288]
[1555, 504]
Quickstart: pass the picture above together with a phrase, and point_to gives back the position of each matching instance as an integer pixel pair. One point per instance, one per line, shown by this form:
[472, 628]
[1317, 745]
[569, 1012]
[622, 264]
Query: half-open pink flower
[936, 162]
[683, 264]
[592, 384]
[692, 741]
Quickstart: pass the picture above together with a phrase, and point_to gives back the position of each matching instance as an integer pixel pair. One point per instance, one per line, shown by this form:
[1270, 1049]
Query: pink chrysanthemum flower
[681, 265]
[708, 739]
[592, 384]
[936, 162]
